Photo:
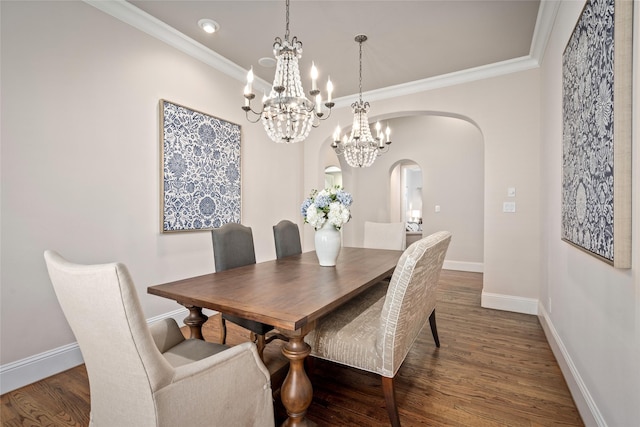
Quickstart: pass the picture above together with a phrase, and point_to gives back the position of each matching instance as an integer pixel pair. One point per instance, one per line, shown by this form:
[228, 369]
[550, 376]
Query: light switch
[509, 207]
[511, 192]
[437, 209]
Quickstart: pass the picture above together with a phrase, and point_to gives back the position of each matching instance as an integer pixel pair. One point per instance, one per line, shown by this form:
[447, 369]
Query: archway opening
[449, 152]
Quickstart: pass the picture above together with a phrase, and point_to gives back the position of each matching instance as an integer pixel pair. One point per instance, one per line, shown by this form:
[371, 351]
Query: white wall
[80, 174]
[449, 152]
[506, 111]
[591, 310]
[80, 161]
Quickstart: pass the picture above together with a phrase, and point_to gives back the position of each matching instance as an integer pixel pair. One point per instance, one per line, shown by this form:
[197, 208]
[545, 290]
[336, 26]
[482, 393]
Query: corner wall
[80, 167]
[590, 310]
[450, 153]
[506, 111]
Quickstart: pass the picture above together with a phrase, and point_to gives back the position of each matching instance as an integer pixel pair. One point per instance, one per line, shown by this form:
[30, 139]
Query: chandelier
[361, 148]
[287, 114]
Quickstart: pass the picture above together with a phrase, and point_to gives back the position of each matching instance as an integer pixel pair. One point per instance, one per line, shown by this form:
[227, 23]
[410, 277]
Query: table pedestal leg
[296, 391]
[194, 321]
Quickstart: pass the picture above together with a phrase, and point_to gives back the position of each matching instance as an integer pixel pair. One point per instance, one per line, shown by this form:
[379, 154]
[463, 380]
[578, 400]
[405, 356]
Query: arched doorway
[449, 151]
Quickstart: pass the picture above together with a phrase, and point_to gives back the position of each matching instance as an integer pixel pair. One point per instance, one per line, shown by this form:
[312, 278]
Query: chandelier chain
[286, 33]
[361, 70]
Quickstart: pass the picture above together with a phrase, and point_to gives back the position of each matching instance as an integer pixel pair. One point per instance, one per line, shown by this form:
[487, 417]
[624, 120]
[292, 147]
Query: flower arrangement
[331, 204]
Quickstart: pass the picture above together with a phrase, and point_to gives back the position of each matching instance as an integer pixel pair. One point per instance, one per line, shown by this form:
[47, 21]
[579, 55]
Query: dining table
[291, 294]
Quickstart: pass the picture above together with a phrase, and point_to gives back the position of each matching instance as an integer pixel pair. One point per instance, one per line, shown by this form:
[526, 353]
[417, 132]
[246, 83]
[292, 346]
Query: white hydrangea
[338, 214]
[315, 217]
[330, 205]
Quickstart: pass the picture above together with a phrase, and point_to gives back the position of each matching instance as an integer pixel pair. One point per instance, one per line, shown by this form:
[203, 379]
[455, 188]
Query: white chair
[385, 235]
[151, 376]
[375, 330]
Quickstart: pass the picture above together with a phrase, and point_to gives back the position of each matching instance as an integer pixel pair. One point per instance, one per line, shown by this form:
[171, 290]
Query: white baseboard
[587, 407]
[509, 303]
[474, 267]
[35, 368]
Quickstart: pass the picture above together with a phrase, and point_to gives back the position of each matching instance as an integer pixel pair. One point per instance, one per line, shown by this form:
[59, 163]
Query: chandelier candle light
[287, 114]
[361, 149]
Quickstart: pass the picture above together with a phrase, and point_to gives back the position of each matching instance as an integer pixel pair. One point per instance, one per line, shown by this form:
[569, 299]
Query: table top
[288, 293]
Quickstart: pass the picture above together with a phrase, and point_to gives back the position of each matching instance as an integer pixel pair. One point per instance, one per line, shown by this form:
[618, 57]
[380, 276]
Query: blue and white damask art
[596, 144]
[200, 170]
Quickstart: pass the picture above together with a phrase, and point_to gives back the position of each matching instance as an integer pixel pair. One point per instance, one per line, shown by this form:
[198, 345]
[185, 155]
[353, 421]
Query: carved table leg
[194, 321]
[296, 392]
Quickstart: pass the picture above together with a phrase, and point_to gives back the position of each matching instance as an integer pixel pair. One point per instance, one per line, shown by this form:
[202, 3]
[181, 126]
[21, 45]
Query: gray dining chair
[142, 375]
[232, 248]
[375, 330]
[286, 236]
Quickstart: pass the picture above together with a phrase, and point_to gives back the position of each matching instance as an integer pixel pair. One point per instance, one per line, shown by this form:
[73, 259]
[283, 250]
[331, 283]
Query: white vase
[328, 243]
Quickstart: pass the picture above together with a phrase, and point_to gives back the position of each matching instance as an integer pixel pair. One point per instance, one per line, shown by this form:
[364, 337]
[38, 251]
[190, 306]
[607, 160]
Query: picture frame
[596, 135]
[200, 168]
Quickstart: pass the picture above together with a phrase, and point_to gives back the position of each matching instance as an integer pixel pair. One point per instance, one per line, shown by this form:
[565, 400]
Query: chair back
[410, 299]
[385, 235]
[286, 236]
[232, 246]
[123, 363]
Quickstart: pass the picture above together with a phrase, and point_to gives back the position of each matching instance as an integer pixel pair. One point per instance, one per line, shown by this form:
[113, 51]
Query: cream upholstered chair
[286, 236]
[375, 331]
[385, 235]
[151, 376]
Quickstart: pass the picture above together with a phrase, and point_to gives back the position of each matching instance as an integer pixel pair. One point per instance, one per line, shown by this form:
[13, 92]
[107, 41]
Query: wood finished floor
[493, 368]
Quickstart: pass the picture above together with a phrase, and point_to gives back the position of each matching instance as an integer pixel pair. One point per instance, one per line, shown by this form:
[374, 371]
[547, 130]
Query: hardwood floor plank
[494, 368]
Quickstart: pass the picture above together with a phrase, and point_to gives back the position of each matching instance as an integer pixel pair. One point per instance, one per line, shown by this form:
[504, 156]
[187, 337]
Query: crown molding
[458, 77]
[547, 13]
[137, 18]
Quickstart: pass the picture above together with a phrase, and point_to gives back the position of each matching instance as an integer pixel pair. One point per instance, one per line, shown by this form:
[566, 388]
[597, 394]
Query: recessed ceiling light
[209, 25]
[267, 62]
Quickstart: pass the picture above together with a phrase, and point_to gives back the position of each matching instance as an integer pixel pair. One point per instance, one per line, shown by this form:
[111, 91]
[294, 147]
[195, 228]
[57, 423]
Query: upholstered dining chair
[286, 236]
[375, 331]
[142, 375]
[385, 235]
[232, 248]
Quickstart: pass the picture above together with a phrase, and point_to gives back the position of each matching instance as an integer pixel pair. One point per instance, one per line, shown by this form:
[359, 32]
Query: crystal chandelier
[287, 114]
[361, 149]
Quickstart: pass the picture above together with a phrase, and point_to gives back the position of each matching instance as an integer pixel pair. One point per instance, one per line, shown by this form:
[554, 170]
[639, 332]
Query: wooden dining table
[291, 294]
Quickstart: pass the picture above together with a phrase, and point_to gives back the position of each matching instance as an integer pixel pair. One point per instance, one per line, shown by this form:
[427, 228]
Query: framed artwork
[200, 168]
[596, 132]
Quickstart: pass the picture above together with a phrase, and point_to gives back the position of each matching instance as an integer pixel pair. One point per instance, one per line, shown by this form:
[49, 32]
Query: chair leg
[223, 330]
[390, 400]
[434, 328]
[259, 341]
[260, 344]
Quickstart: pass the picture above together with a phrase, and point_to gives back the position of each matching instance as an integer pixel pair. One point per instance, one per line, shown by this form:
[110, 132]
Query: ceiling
[408, 41]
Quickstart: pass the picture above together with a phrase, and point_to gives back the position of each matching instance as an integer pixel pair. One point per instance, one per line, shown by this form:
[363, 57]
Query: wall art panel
[200, 167]
[596, 145]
